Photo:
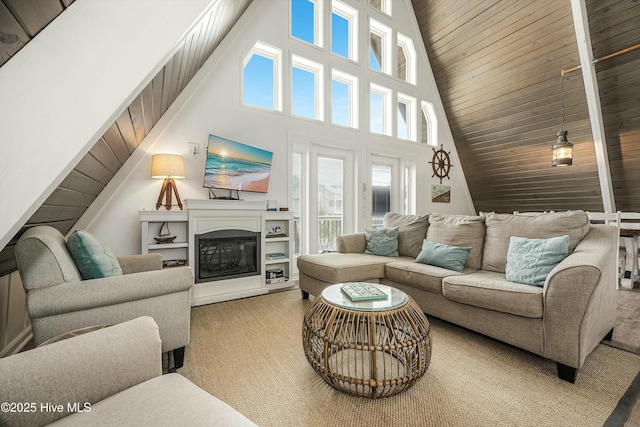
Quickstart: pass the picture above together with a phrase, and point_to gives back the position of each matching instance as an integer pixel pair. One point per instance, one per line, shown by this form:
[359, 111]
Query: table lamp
[167, 166]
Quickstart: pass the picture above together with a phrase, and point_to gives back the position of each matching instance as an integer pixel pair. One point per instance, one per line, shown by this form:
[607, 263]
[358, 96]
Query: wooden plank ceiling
[497, 65]
[93, 172]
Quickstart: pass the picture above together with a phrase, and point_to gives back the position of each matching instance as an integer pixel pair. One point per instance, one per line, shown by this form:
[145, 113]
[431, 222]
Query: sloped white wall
[67, 85]
[211, 104]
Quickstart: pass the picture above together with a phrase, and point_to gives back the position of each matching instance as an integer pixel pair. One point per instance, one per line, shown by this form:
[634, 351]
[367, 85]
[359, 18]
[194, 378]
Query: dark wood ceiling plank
[114, 140]
[137, 119]
[80, 182]
[102, 152]
[175, 73]
[522, 76]
[199, 46]
[516, 24]
[34, 15]
[513, 60]
[603, 14]
[510, 94]
[621, 36]
[125, 126]
[48, 214]
[92, 168]
[12, 35]
[208, 45]
[184, 65]
[167, 73]
[463, 14]
[66, 197]
[147, 107]
[156, 96]
[533, 106]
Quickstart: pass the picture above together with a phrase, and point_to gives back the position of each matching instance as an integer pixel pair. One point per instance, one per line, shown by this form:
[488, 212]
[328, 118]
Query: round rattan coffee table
[368, 348]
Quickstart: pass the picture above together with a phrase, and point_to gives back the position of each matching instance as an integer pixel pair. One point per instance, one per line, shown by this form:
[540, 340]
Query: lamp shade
[562, 151]
[167, 165]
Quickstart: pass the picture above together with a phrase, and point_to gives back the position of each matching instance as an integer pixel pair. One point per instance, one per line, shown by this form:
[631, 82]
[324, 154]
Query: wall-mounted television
[233, 166]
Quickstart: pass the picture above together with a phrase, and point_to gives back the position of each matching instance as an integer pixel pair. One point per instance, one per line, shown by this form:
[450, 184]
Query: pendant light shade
[562, 150]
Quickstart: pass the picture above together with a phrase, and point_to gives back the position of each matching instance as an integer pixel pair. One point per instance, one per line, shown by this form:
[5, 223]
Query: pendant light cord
[562, 103]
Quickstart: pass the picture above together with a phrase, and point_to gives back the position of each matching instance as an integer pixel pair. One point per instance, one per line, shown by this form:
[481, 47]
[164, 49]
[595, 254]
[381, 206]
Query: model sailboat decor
[165, 234]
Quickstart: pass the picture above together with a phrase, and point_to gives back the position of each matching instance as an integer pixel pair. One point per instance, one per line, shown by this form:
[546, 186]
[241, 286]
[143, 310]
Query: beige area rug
[626, 334]
[249, 354]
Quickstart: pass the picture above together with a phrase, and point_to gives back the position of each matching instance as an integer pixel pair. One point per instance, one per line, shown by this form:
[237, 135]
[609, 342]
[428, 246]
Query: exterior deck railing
[329, 228]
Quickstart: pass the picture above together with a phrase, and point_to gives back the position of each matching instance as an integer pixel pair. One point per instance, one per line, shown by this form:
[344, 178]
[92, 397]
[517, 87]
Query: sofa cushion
[421, 276]
[461, 231]
[529, 261]
[93, 258]
[445, 256]
[154, 403]
[352, 243]
[493, 291]
[501, 227]
[382, 241]
[412, 231]
[339, 267]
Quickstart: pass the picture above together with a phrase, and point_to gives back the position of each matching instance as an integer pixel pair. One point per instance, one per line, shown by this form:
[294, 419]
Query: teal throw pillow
[382, 241]
[445, 256]
[93, 258]
[529, 261]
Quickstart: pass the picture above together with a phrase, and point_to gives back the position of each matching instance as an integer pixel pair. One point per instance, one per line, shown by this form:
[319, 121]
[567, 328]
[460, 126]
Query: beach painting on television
[234, 166]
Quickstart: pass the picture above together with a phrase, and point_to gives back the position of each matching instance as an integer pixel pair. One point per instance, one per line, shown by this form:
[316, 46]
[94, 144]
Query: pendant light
[562, 150]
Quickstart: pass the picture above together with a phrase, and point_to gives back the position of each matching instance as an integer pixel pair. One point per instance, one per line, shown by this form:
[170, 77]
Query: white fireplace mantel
[229, 205]
[213, 215]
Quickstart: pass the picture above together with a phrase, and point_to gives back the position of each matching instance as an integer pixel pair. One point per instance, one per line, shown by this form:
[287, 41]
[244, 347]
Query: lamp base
[168, 188]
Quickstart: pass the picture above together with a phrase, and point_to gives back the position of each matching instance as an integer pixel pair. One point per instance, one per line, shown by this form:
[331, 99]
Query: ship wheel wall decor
[441, 164]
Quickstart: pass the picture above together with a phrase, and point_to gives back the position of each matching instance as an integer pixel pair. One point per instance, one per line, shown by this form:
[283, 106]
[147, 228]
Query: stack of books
[275, 255]
[362, 292]
[275, 276]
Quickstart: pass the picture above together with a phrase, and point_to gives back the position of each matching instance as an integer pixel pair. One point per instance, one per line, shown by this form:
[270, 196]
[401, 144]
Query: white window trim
[275, 54]
[430, 116]
[385, 6]
[387, 108]
[410, 119]
[351, 15]
[302, 150]
[318, 87]
[409, 49]
[384, 33]
[352, 82]
[409, 187]
[318, 23]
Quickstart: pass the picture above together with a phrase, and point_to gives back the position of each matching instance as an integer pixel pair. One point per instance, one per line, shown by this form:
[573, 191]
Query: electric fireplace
[226, 254]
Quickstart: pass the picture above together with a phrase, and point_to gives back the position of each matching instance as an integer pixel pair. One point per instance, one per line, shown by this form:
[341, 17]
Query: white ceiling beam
[583, 38]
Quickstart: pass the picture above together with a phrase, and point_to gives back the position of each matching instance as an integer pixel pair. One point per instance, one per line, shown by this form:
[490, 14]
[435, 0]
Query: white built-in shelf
[178, 221]
[279, 244]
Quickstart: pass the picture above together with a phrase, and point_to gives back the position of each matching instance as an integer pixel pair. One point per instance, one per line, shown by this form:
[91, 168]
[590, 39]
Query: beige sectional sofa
[563, 320]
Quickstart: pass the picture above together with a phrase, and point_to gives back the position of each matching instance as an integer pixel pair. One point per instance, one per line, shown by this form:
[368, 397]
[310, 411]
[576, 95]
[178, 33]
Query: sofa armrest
[580, 298]
[87, 294]
[81, 370]
[139, 263]
[352, 243]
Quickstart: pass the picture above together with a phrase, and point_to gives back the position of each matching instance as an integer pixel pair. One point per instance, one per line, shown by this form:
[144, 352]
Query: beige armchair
[59, 301]
[101, 379]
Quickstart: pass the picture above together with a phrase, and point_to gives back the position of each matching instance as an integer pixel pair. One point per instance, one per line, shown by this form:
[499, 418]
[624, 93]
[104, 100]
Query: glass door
[332, 209]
